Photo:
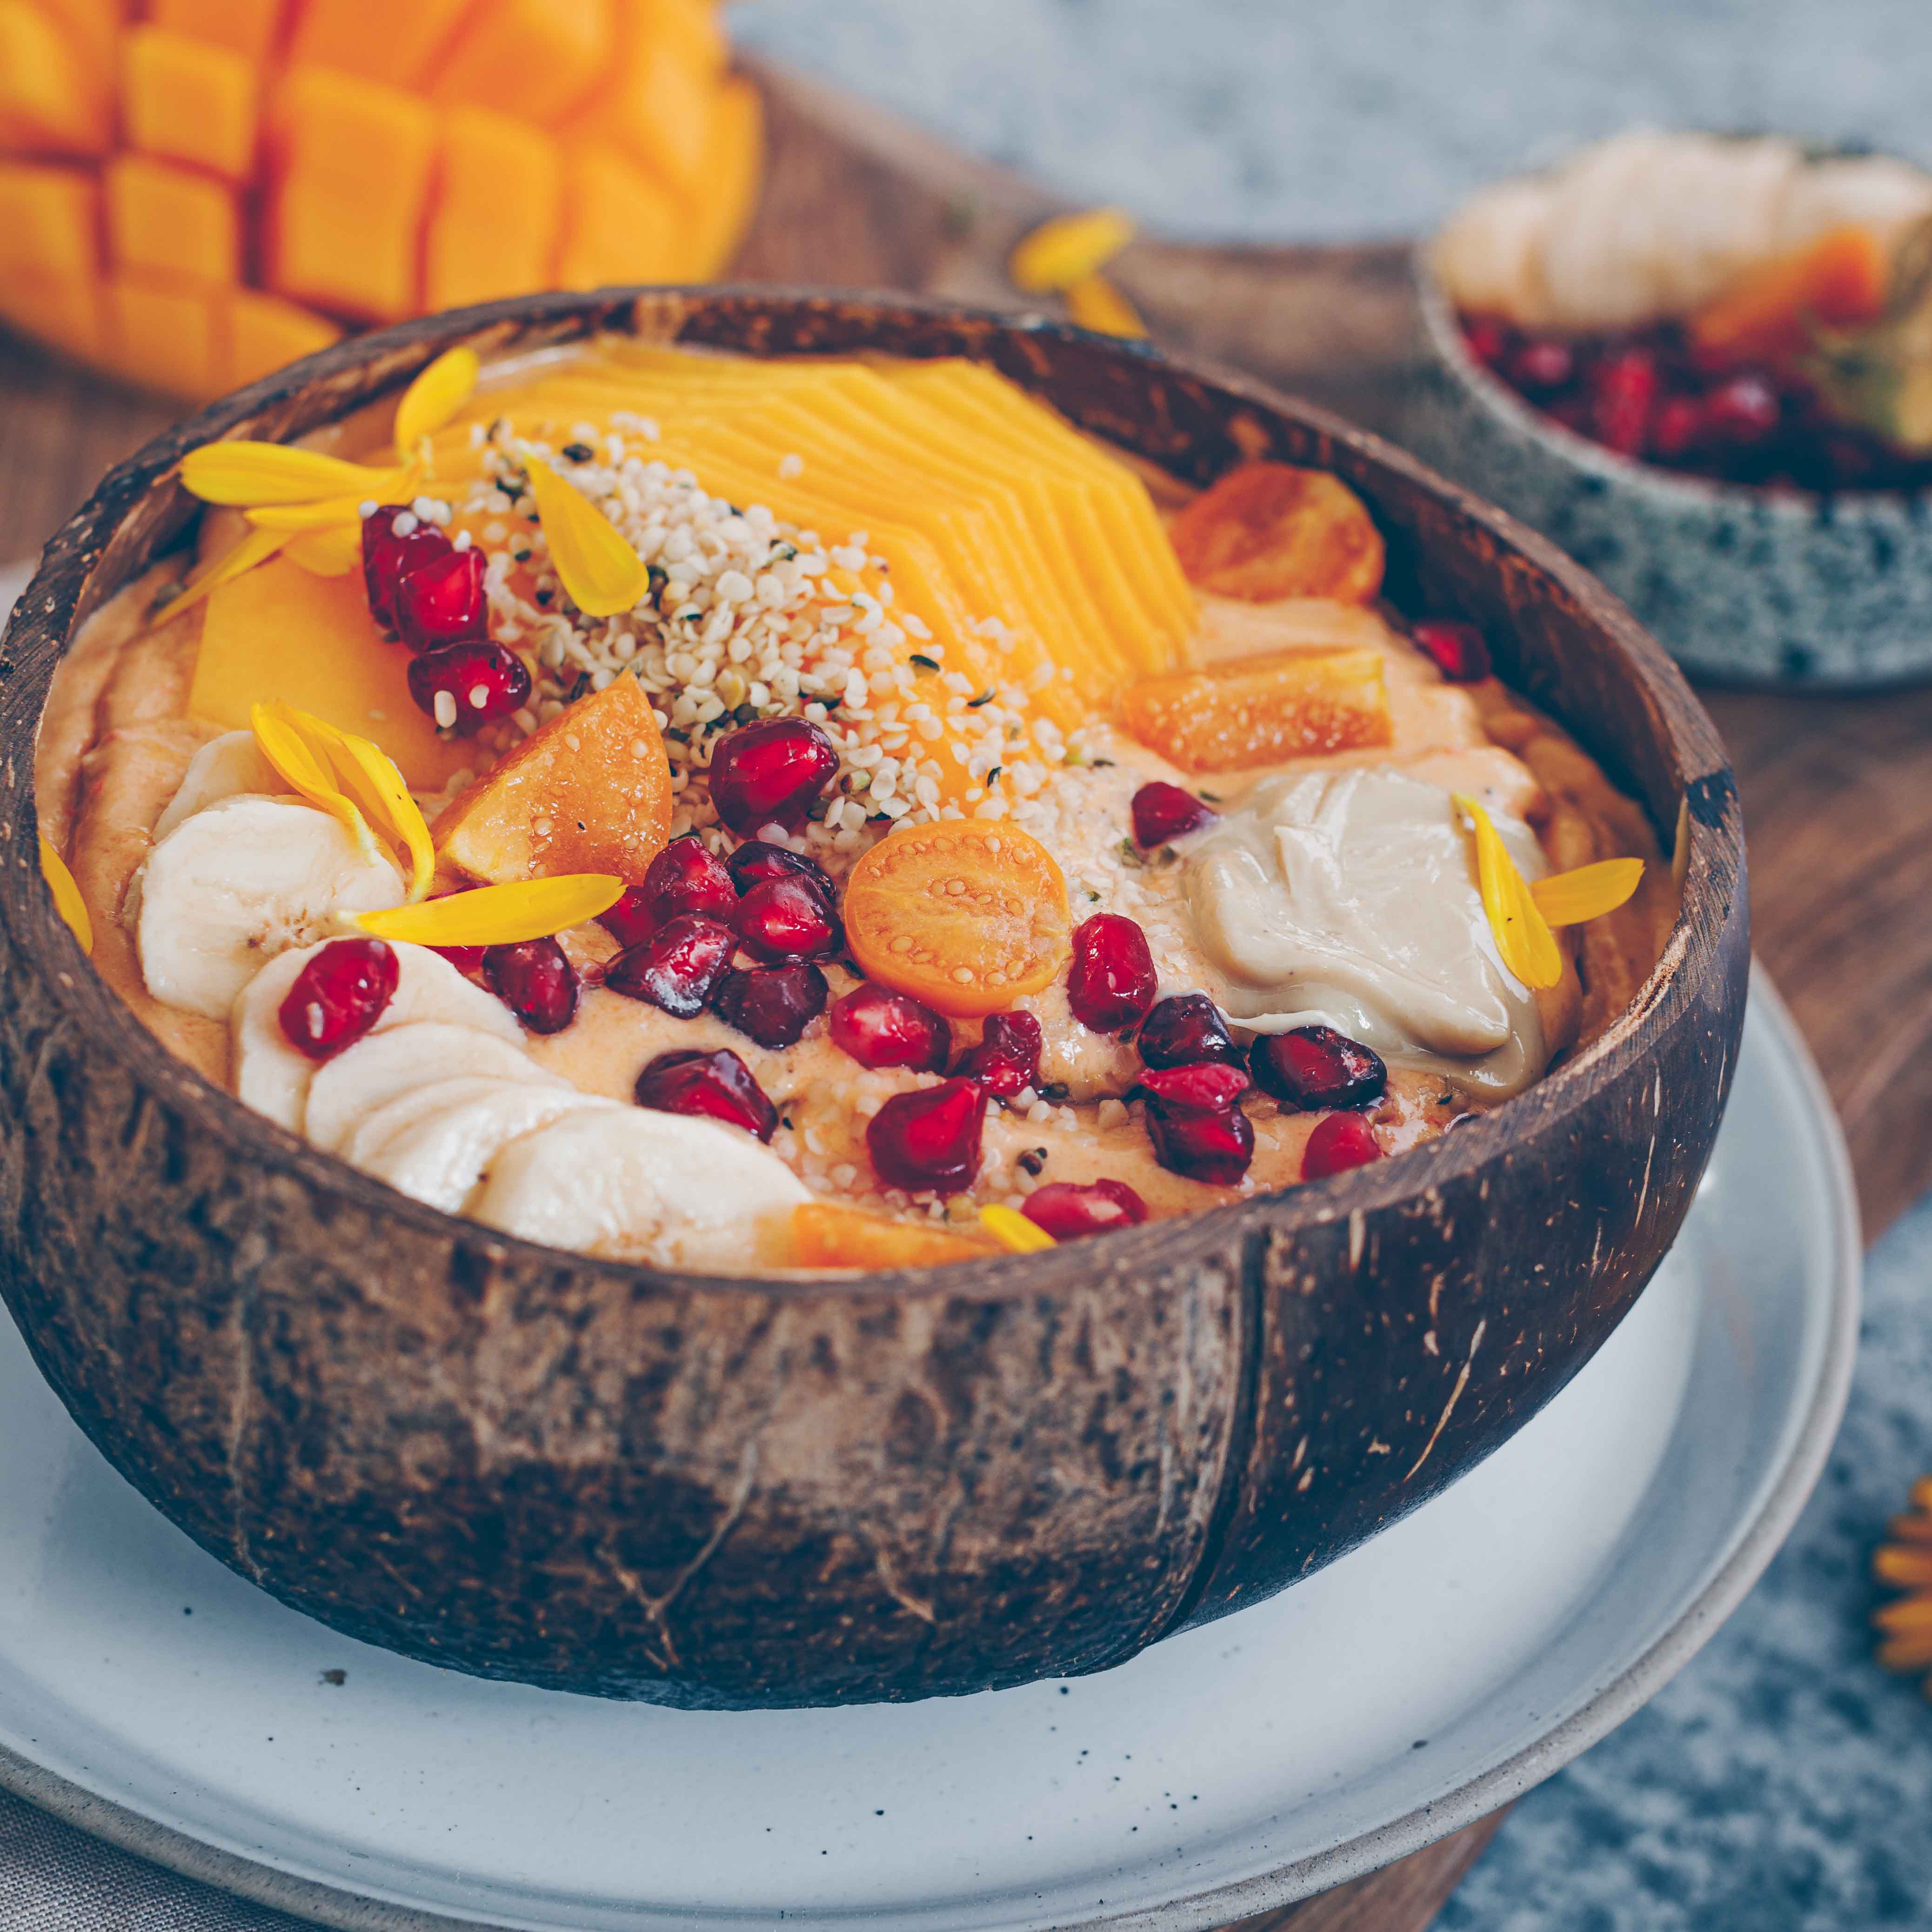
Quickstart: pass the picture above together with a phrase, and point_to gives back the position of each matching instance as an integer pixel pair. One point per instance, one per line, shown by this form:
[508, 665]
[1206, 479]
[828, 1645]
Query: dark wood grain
[1838, 793]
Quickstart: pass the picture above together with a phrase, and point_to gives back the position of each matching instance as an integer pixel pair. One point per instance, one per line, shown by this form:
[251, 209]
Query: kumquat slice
[1268, 530]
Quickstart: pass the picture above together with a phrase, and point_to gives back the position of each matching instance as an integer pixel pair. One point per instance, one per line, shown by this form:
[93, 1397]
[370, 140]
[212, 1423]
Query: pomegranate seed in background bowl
[338, 996]
[927, 1142]
[464, 687]
[1069, 1211]
[1007, 1060]
[879, 1027]
[717, 1085]
[536, 981]
[772, 1005]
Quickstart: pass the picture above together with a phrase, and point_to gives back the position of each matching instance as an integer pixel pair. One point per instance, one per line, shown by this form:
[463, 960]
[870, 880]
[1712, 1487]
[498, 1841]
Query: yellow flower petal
[334, 552]
[604, 575]
[327, 514]
[257, 547]
[1014, 1232]
[1522, 935]
[1569, 899]
[67, 901]
[367, 775]
[1094, 303]
[247, 474]
[499, 915]
[285, 749]
[1068, 249]
[434, 398]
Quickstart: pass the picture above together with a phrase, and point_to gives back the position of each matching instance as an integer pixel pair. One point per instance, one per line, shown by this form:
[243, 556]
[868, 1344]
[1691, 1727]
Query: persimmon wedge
[967, 914]
[1269, 530]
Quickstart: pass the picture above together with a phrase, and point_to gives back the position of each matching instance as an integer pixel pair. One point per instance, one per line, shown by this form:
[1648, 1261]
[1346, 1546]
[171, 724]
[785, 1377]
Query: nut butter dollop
[1348, 899]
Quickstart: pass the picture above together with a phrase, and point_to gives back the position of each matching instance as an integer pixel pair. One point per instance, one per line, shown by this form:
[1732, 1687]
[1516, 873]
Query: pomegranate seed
[1340, 1142]
[754, 862]
[678, 967]
[1459, 650]
[1007, 1058]
[685, 877]
[929, 1142]
[787, 919]
[482, 681]
[465, 958]
[1679, 425]
[441, 602]
[770, 772]
[717, 1084]
[1068, 1210]
[1487, 338]
[387, 559]
[1743, 411]
[1314, 1067]
[338, 996]
[773, 1004]
[1623, 391]
[629, 922]
[1185, 1029]
[1202, 1087]
[1214, 1144]
[1165, 811]
[1543, 363]
[1110, 985]
[536, 981]
[878, 1028]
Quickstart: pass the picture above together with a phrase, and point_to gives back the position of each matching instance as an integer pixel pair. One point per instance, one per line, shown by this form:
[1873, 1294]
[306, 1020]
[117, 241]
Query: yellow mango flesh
[277, 632]
[619, 223]
[49, 216]
[52, 101]
[374, 38]
[162, 333]
[497, 208]
[535, 58]
[186, 100]
[171, 221]
[265, 333]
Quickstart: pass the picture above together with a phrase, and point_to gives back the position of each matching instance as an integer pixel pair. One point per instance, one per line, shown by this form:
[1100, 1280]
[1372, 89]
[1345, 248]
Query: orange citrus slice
[967, 914]
[1268, 530]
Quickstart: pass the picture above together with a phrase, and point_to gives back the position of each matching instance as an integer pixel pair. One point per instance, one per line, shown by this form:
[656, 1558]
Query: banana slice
[271, 1077]
[440, 1157]
[1490, 257]
[636, 1185]
[374, 1071]
[223, 766]
[237, 883]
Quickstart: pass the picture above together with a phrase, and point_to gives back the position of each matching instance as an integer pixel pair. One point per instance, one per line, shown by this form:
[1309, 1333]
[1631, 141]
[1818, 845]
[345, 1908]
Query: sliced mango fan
[1521, 915]
[1905, 1563]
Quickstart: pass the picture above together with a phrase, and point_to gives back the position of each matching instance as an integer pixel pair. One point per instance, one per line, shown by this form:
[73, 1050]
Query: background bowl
[1744, 586]
[736, 1493]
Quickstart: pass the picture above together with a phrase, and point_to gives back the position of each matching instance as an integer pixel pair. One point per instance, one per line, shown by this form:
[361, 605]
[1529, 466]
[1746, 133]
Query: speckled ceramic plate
[152, 1696]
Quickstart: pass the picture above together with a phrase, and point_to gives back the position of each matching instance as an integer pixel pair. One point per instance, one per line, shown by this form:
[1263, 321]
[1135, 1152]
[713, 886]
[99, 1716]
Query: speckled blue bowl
[1742, 585]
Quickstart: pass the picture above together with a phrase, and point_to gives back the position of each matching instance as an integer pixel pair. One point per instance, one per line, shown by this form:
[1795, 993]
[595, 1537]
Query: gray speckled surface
[1781, 1784]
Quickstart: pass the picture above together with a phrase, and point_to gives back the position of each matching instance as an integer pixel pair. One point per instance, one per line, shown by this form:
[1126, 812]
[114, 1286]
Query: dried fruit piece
[928, 1141]
[1111, 983]
[1069, 1209]
[824, 1235]
[770, 773]
[1007, 1060]
[467, 686]
[1185, 1030]
[678, 968]
[717, 1085]
[880, 1027]
[441, 602]
[588, 792]
[966, 914]
[772, 1004]
[1268, 530]
[388, 557]
[1314, 1067]
[1459, 650]
[786, 918]
[1340, 1142]
[338, 996]
[1163, 811]
[536, 981]
[1767, 314]
[1262, 710]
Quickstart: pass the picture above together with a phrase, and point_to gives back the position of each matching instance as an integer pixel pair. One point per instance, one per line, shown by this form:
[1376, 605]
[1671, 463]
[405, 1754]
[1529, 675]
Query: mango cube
[733, 167]
[52, 100]
[65, 309]
[661, 98]
[354, 166]
[186, 101]
[248, 26]
[1263, 710]
[499, 202]
[620, 225]
[374, 38]
[48, 220]
[265, 333]
[171, 221]
[533, 57]
[589, 793]
[90, 26]
[162, 333]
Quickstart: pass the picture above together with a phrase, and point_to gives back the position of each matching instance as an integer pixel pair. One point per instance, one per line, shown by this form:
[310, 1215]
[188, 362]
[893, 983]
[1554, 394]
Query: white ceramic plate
[152, 1696]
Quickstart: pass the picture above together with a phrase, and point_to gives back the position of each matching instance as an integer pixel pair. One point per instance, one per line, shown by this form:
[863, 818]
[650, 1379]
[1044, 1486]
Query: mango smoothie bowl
[794, 999]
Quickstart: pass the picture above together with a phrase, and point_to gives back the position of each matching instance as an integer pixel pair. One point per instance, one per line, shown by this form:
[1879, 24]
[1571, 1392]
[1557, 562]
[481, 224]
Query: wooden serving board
[1838, 792]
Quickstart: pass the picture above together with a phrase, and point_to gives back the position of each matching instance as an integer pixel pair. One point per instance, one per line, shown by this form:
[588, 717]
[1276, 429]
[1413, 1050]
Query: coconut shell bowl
[735, 1493]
